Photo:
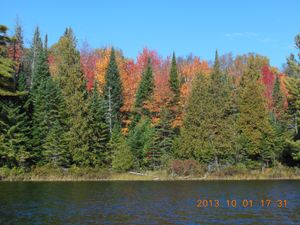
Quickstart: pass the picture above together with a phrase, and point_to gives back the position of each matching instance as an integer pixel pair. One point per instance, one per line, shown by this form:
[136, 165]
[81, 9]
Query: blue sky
[185, 26]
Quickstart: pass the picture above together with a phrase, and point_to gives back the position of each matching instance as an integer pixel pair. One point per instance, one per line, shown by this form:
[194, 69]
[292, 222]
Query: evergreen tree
[140, 140]
[173, 80]
[146, 86]
[279, 120]
[72, 83]
[122, 158]
[293, 64]
[99, 132]
[209, 119]
[113, 92]
[162, 140]
[292, 153]
[15, 135]
[54, 149]
[35, 50]
[7, 82]
[40, 120]
[256, 136]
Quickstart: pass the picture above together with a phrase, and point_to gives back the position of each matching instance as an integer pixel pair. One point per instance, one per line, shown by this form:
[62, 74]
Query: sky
[266, 27]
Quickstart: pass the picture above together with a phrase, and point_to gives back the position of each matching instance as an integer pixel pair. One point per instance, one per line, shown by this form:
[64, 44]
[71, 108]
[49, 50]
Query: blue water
[148, 202]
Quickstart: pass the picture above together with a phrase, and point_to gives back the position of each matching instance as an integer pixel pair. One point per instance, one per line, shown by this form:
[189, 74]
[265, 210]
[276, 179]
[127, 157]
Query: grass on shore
[45, 173]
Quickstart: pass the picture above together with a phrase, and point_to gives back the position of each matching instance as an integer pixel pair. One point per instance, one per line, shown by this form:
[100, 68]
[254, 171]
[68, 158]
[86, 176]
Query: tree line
[62, 107]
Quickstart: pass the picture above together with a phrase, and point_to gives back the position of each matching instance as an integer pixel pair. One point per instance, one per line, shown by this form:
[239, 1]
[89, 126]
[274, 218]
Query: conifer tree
[72, 83]
[173, 80]
[256, 137]
[279, 120]
[122, 157]
[54, 149]
[293, 86]
[140, 140]
[99, 131]
[39, 98]
[292, 154]
[146, 86]
[15, 134]
[113, 92]
[7, 81]
[162, 140]
[209, 119]
[35, 50]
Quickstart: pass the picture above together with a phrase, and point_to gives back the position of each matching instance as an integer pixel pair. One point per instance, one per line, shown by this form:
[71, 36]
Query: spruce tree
[40, 120]
[162, 140]
[293, 85]
[55, 152]
[15, 133]
[208, 132]
[140, 140]
[35, 50]
[122, 157]
[146, 86]
[73, 85]
[54, 147]
[173, 80]
[256, 136]
[113, 92]
[292, 153]
[99, 131]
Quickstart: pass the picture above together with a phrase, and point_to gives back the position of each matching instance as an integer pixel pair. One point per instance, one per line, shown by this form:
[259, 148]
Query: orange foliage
[101, 66]
[188, 70]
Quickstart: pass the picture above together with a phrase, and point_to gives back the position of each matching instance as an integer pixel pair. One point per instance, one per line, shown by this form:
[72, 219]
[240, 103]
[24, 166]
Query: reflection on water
[147, 202]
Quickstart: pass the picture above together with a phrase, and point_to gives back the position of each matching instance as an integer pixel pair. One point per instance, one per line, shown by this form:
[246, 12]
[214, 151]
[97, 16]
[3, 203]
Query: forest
[65, 107]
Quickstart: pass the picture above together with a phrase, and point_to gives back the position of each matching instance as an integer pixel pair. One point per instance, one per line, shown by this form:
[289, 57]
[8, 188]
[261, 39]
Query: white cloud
[241, 34]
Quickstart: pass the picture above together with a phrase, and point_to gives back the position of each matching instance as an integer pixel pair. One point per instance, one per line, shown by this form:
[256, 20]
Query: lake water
[148, 202]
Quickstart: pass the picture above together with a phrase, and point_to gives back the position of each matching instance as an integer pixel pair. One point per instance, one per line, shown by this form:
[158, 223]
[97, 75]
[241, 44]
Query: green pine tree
[15, 133]
[54, 149]
[162, 140]
[113, 92]
[256, 136]
[35, 50]
[208, 133]
[122, 157]
[73, 85]
[99, 132]
[7, 71]
[173, 80]
[146, 86]
[140, 140]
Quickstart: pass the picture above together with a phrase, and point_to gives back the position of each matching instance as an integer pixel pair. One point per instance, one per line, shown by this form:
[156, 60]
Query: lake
[150, 202]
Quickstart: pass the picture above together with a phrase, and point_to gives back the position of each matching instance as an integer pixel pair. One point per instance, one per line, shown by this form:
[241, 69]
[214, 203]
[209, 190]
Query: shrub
[186, 167]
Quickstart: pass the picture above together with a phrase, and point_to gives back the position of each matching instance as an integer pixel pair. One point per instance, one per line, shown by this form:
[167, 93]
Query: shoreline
[156, 179]
[45, 173]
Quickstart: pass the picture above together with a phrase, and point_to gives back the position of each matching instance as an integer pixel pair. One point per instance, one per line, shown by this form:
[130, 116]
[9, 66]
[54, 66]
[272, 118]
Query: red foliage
[15, 52]
[268, 79]
[88, 65]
